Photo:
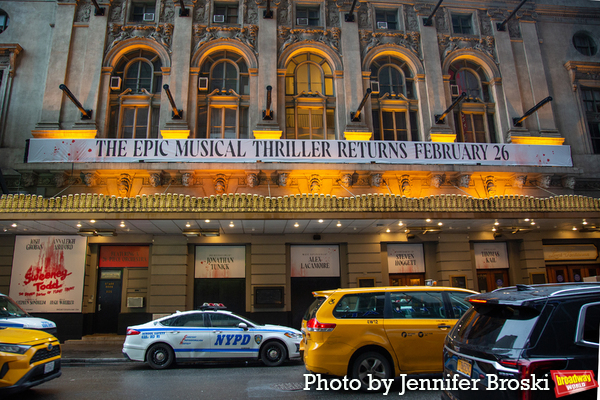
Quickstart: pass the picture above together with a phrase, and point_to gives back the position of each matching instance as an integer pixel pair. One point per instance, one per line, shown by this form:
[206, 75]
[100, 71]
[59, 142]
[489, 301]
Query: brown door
[407, 279]
[492, 279]
[570, 273]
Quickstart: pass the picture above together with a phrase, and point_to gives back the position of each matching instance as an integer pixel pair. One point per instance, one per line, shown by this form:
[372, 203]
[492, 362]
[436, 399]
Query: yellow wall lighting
[267, 135]
[443, 137]
[65, 134]
[175, 134]
[358, 135]
[548, 141]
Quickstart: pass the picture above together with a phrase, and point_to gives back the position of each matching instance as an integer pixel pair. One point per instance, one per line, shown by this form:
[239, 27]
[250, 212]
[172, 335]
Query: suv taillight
[315, 326]
[131, 332]
[527, 368]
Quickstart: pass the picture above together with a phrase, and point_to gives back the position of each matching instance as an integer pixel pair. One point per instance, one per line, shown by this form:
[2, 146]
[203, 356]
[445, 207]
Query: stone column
[538, 80]
[58, 63]
[454, 258]
[513, 107]
[179, 77]
[435, 93]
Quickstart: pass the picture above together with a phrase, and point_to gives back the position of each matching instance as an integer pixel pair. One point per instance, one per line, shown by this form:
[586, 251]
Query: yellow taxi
[366, 333]
[27, 358]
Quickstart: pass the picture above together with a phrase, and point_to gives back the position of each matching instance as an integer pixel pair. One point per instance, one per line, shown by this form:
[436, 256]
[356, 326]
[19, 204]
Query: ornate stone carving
[486, 24]
[90, 179]
[405, 185]
[117, 11]
[83, 12]
[330, 37]
[60, 179]
[376, 180]
[29, 178]
[519, 181]
[246, 35]
[568, 182]
[200, 12]
[282, 179]
[155, 180]
[412, 23]
[364, 18]
[544, 181]
[251, 14]
[162, 34]
[220, 184]
[490, 185]
[167, 12]
[314, 184]
[284, 12]
[369, 40]
[464, 180]
[124, 183]
[345, 180]
[252, 180]
[437, 180]
[448, 44]
[333, 16]
[187, 179]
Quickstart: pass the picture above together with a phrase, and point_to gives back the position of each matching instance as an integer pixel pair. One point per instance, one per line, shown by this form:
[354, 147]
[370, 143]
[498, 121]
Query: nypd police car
[210, 333]
[13, 316]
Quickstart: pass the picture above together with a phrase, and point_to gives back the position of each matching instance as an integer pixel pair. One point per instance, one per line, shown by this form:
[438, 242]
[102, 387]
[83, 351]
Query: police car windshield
[9, 308]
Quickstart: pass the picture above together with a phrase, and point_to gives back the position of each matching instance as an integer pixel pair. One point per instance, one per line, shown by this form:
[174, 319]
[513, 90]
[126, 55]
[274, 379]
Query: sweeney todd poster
[48, 273]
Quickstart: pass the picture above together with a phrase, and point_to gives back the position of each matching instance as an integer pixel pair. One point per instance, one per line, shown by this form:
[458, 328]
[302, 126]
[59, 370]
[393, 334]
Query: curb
[72, 361]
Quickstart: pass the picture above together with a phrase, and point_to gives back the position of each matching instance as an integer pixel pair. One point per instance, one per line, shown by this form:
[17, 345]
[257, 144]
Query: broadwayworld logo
[570, 382]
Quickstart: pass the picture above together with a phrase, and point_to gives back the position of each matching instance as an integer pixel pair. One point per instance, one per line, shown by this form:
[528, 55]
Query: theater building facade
[159, 154]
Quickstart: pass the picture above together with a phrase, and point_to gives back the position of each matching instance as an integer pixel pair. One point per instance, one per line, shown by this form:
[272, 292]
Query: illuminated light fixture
[187, 225]
[526, 220]
[5, 230]
[231, 225]
[122, 224]
[406, 231]
[339, 224]
[14, 225]
[388, 230]
[494, 229]
[207, 220]
[200, 232]
[584, 222]
[320, 221]
[440, 223]
[428, 220]
[79, 224]
[496, 223]
[296, 225]
[400, 223]
[574, 228]
[93, 221]
[532, 222]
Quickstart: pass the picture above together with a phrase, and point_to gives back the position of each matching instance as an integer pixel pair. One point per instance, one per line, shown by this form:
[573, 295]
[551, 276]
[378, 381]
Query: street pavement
[93, 349]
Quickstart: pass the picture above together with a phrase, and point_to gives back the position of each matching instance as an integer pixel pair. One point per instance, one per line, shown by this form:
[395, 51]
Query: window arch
[473, 117]
[310, 100]
[394, 106]
[224, 96]
[135, 104]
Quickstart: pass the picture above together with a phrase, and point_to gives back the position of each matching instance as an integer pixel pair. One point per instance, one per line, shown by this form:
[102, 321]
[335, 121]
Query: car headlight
[293, 335]
[13, 348]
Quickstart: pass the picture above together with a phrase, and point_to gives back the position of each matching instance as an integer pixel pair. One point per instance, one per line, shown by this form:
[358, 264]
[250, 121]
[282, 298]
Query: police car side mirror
[243, 326]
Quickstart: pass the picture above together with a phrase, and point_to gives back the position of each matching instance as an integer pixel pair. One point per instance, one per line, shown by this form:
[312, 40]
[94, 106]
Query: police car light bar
[214, 306]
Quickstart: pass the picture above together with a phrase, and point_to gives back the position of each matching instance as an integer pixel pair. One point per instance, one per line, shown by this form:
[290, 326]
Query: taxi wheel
[273, 354]
[160, 356]
[371, 364]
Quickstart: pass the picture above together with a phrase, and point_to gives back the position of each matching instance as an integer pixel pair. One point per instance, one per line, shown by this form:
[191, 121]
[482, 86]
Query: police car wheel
[273, 354]
[370, 366]
[160, 356]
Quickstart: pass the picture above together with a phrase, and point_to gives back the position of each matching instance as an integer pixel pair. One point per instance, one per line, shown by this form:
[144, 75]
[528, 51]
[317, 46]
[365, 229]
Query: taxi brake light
[132, 332]
[477, 301]
[315, 326]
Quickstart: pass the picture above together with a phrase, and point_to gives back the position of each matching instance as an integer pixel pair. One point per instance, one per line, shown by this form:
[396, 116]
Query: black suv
[506, 344]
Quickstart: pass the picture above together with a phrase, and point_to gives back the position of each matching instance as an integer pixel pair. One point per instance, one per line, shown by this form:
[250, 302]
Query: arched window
[394, 106]
[135, 95]
[310, 102]
[473, 117]
[224, 97]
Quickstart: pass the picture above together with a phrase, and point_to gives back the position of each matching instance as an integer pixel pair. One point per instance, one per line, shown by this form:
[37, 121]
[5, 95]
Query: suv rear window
[360, 305]
[489, 327]
[314, 306]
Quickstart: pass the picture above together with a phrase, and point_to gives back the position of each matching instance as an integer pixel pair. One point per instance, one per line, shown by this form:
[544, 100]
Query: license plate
[49, 367]
[464, 367]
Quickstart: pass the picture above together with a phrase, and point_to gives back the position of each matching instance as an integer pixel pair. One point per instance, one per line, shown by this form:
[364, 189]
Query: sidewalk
[93, 349]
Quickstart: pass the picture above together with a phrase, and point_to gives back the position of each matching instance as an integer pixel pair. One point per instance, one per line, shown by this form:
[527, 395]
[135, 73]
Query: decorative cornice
[240, 203]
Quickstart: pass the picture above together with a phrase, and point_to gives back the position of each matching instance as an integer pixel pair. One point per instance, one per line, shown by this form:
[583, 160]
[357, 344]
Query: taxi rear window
[489, 327]
[312, 309]
[360, 305]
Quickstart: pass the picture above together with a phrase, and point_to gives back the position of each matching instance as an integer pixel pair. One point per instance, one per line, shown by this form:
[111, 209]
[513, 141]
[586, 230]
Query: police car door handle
[443, 326]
